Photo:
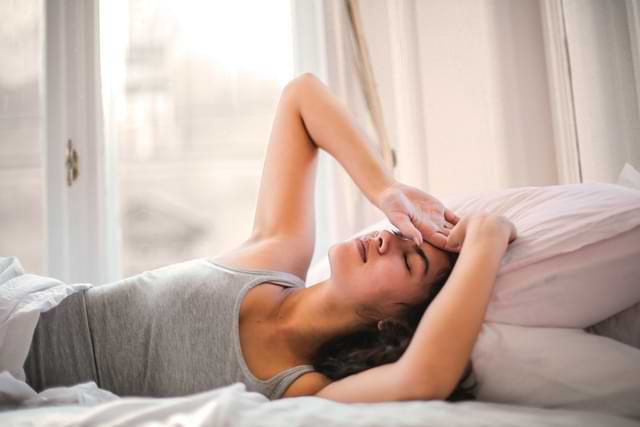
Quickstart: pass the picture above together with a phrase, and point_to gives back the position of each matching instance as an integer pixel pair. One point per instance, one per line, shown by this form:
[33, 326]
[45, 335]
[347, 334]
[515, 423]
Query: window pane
[200, 88]
[21, 174]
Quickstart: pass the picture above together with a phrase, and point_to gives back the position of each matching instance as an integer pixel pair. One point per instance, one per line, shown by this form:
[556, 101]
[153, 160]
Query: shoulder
[274, 254]
[307, 385]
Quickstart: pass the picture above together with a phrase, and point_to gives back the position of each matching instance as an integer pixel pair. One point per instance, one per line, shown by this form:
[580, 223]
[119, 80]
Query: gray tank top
[171, 331]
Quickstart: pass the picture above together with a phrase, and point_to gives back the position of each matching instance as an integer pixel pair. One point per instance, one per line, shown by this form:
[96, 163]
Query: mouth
[362, 248]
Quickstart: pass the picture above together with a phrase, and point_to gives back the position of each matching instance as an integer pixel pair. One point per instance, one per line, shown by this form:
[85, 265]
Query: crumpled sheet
[234, 406]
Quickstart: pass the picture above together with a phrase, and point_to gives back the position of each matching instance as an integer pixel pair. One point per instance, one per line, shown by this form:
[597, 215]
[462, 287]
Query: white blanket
[234, 406]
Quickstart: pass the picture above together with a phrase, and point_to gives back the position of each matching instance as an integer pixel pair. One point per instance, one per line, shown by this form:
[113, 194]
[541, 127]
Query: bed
[560, 345]
[234, 406]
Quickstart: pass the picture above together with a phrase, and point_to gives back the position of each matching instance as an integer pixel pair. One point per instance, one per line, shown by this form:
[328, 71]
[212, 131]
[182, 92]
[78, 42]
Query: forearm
[332, 128]
[447, 333]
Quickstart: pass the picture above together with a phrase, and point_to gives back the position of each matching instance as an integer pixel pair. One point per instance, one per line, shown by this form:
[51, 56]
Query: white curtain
[347, 208]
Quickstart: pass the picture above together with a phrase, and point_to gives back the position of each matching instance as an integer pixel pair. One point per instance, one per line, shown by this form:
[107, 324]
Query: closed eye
[406, 262]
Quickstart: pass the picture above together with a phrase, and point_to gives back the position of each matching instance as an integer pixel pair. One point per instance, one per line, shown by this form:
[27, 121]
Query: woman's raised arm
[442, 344]
[308, 117]
[330, 126]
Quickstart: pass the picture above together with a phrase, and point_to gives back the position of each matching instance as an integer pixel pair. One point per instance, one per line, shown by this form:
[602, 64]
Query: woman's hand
[417, 214]
[481, 223]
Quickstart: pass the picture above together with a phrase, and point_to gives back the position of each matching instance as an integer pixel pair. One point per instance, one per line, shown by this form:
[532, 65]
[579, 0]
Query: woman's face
[384, 269]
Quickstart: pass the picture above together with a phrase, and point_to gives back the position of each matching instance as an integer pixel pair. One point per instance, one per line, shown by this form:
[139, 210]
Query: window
[197, 84]
[21, 172]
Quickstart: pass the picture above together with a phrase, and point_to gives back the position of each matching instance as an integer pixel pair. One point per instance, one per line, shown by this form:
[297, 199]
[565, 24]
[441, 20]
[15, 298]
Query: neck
[309, 317]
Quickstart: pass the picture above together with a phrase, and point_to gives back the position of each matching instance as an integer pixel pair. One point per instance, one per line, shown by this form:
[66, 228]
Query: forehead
[439, 260]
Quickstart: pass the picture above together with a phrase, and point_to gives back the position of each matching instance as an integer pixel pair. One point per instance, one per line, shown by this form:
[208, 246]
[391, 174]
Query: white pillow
[567, 368]
[572, 290]
[555, 219]
[556, 368]
[573, 262]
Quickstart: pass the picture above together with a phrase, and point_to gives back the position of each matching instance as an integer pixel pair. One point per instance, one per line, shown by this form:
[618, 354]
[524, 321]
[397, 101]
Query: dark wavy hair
[349, 354]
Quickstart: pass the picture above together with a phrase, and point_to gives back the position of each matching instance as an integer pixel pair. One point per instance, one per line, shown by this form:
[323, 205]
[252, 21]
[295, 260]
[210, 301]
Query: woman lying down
[394, 321]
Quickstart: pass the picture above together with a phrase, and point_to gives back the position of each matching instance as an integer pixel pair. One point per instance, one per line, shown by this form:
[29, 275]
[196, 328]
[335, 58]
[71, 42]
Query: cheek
[390, 270]
[397, 285]
[387, 278]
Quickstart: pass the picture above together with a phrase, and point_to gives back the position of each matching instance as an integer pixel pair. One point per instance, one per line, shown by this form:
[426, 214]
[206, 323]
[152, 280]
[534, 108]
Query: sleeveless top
[171, 331]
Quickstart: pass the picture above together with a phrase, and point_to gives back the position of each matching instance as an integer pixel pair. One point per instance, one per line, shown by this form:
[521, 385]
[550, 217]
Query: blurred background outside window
[196, 94]
[21, 122]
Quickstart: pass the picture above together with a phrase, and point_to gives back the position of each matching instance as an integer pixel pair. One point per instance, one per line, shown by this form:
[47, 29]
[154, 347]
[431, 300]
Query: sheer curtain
[351, 78]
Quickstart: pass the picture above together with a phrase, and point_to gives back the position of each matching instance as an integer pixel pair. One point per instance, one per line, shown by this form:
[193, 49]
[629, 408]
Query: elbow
[440, 393]
[301, 82]
[305, 78]
[422, 392]
[440, 388]
[448, 388]
[430, 392]
[420, 396]
[421, 387]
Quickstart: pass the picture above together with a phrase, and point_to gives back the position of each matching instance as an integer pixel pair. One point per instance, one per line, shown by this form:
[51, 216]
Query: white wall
[481, 88]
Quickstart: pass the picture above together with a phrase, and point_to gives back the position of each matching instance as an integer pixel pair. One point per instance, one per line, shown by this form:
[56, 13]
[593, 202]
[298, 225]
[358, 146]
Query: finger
[438, 240]
[407, 228]
[450, 216]
[453, 245]
[445, 231]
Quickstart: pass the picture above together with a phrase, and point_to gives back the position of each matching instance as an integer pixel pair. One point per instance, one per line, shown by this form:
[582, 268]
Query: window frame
[81, 221]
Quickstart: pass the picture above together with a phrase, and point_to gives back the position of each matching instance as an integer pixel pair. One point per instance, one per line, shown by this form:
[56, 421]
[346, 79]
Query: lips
[362, 248]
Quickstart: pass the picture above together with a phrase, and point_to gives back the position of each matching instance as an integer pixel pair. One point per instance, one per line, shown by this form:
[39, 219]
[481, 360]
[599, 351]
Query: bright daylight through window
[193, 90]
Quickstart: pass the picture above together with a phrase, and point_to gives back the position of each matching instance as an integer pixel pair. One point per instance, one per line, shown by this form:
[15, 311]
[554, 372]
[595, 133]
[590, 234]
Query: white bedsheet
[234, 406]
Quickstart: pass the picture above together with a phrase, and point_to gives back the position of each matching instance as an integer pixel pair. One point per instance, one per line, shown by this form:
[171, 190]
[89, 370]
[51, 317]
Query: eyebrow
[425, 260]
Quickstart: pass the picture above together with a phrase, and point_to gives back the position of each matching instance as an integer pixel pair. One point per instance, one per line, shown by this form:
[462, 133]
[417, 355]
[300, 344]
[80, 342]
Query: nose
[384, 240]
[391, 240]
